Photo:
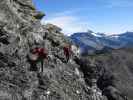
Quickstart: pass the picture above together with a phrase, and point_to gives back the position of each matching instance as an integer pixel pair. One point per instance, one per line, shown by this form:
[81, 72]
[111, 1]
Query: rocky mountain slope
[20, 31]
[119, 64]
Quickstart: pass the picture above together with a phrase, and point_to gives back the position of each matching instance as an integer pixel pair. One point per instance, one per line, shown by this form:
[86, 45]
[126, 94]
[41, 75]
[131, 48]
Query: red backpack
[67, 50]
[41, 52]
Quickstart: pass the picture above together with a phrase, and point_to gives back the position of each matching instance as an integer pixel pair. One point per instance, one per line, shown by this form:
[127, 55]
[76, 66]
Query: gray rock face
[20, 31]
[116, 79]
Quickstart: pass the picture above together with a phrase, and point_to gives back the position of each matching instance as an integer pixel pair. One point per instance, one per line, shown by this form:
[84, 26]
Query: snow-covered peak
[99, 41]
[115, 36]
[98, 34]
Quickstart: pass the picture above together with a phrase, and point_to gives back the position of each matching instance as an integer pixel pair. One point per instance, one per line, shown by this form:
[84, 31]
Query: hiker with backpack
[67, 51]
[37, 55]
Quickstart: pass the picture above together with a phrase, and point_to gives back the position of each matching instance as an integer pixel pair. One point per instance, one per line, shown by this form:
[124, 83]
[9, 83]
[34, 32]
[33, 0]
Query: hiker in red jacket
[37, 55]
[67, 51]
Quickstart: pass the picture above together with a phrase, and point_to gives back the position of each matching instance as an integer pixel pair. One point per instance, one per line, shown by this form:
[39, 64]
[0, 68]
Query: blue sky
[108, 16]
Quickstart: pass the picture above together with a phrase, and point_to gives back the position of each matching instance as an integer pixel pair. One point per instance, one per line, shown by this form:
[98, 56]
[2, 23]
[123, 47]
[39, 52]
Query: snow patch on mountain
[100, 41]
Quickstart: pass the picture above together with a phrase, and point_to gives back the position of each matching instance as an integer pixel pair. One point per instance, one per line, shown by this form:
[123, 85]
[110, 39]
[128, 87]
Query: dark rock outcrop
[115, 80]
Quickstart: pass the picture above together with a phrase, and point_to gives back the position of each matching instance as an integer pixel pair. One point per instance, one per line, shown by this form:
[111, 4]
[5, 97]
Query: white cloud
[69, 23]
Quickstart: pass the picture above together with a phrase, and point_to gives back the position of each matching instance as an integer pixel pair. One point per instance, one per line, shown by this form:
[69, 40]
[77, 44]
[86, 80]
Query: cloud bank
[69, 22]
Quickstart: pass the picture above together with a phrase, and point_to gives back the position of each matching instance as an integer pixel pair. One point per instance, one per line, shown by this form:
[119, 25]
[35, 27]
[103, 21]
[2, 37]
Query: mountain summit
[90, 42]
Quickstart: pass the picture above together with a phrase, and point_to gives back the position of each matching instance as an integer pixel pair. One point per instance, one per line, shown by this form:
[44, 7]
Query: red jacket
[41, 52]
[67, 50]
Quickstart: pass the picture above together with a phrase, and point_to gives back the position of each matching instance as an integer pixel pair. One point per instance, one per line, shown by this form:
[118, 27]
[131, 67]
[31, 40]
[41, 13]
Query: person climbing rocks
[37, 55]
[67, 51]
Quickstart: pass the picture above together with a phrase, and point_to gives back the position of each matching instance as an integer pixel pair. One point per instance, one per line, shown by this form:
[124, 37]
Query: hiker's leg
[41, 65]
[33, 66]
[67, 57]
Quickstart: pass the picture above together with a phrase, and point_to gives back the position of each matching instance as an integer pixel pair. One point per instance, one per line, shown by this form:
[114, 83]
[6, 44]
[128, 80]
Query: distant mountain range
[90, 42]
